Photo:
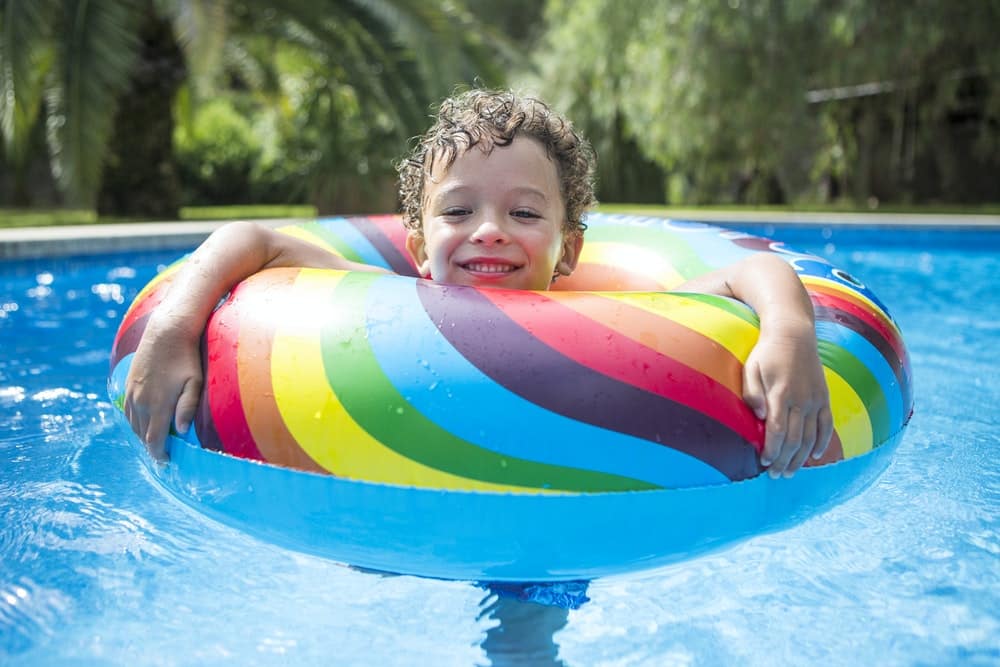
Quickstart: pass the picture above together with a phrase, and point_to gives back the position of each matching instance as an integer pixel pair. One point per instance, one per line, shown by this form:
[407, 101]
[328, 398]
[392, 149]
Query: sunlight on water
[99, 566]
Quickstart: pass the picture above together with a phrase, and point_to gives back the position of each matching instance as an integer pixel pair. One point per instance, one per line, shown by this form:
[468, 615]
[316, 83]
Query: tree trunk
[140, 175]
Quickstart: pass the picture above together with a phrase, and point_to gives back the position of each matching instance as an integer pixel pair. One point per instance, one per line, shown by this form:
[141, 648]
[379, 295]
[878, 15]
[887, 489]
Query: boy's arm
[165, 379]
[783, 379]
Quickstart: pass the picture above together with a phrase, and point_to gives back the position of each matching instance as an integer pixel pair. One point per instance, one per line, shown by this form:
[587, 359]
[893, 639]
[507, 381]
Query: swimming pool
[98, 566]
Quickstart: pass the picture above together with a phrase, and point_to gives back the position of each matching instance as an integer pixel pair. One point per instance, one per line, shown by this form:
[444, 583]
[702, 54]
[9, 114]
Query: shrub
[217, 155]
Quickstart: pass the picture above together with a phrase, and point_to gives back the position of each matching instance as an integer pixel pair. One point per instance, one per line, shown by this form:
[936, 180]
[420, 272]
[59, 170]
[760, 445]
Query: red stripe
[595, 346]
[851, 297]
[140, 309]
[222, 384]
[392, 227]
[667, 336]
[839, 302]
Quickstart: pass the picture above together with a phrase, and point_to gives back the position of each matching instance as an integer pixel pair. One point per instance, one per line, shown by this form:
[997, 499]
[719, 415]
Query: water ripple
[69, 516]
[28, 612]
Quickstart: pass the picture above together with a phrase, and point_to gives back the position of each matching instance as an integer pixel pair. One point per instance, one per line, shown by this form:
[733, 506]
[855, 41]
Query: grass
[13, 217]
[59, 217]
[923, 209]
[54, 217]
[245, 212]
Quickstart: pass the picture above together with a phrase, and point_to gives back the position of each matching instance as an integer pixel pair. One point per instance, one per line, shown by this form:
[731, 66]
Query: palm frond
[26, 55]
[202, 28]
[352, 49]
[97, 52]
[450, 44]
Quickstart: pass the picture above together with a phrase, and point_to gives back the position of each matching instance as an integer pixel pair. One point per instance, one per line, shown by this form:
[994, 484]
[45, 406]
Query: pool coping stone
[35, 242]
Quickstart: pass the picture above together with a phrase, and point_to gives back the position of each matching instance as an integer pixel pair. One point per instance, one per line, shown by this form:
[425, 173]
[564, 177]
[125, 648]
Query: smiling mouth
[483, 267]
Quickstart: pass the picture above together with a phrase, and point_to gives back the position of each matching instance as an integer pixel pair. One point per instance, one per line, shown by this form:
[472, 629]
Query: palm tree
[64, 64]
[102, 75]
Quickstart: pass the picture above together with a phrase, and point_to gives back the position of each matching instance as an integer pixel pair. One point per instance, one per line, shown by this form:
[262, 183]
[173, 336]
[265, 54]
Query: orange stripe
[605, 278]
[668, 337]
[257, 334]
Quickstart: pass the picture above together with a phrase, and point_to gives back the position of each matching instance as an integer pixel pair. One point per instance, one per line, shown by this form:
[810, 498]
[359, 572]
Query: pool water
[99, 566]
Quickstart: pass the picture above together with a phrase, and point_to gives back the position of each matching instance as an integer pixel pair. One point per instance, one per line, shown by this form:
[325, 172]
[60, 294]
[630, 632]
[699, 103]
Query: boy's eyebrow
[530, 190]
[460, 188]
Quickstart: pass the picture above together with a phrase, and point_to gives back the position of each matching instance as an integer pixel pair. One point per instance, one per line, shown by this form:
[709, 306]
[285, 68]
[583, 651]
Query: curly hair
[491, 118]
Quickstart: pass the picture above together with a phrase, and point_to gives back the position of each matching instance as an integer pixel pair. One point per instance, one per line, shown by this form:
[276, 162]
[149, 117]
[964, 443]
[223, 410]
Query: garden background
[157, 109]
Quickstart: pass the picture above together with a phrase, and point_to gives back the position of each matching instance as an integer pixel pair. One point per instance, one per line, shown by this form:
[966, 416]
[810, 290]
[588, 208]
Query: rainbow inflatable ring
[400, 425]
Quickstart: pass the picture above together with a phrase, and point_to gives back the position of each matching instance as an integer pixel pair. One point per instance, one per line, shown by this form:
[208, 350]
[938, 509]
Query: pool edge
[61, 241]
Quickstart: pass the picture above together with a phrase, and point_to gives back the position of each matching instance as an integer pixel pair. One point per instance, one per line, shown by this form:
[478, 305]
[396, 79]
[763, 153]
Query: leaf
[26, 55]
[97, 50]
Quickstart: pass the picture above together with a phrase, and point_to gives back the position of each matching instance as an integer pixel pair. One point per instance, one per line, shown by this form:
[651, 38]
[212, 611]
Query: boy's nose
[490, 232]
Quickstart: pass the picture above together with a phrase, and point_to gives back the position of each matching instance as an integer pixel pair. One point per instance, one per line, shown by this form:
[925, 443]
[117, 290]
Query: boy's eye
[524, 213]
[455, 211]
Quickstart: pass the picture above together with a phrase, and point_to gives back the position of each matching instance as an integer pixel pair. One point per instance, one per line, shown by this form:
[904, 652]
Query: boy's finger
[806, 446]
[753, 391]
[127, 411]
[156, 433]
[791, 444]
[774, 438]
[824, 432]
[187, 406]
[157, 451]
[782, 461]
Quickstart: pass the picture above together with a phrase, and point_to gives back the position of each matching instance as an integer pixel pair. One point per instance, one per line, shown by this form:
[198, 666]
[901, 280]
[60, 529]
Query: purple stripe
[204, 425]
[512, 357]
[128, 342]
[872, 335]
[396, 260]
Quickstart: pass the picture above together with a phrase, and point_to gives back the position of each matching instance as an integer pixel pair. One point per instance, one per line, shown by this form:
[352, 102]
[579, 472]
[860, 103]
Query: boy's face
[495, 220]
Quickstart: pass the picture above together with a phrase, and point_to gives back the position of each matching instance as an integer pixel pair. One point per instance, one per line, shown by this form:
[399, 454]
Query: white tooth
[490, 268]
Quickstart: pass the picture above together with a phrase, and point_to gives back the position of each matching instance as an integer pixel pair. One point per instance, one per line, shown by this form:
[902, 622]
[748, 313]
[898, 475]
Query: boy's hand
[165, 380]
[163, 385]
[783, 382]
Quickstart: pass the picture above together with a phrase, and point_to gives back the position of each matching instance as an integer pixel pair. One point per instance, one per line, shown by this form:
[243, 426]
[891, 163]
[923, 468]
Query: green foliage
[217, 155]
[22, 72]
[582, 69]
[768, 100]
[76, 56]
[345, 88]
[365, 76]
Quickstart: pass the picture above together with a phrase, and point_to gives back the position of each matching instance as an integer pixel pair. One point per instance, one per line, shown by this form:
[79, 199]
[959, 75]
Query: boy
[493, 196]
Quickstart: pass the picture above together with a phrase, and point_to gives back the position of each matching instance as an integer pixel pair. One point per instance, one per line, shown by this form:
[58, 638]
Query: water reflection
[527, 618]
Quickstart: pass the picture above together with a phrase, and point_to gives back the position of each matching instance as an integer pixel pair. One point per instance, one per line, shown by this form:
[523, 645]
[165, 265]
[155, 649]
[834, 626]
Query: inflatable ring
[401, 425]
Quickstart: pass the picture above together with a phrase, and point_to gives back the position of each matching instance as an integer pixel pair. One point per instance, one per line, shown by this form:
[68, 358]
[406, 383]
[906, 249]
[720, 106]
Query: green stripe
[374, 403]
[862, 381]
[664, 243]
[324, 233]
[734, 307]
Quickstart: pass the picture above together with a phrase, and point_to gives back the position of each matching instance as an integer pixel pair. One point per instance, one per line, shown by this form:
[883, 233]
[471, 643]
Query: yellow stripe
[728, 330]
[299, 232]
[850, 417]
[313, 414]
[636, 259]
[163, 275]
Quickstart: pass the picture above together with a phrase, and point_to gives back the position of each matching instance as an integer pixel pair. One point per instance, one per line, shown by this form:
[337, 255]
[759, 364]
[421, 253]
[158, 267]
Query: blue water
[98, 566]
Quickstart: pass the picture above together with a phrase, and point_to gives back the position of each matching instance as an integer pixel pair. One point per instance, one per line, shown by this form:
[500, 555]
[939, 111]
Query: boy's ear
[417, 248]
[572, 246]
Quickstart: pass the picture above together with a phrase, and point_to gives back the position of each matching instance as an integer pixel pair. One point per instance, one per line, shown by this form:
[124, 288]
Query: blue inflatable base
[495, 536]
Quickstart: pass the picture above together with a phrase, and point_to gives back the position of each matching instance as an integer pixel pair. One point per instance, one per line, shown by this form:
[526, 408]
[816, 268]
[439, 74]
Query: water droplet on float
[433, 385]
[399, 410]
